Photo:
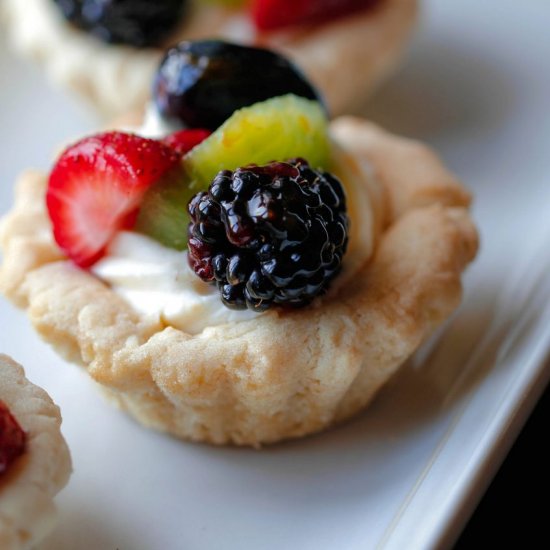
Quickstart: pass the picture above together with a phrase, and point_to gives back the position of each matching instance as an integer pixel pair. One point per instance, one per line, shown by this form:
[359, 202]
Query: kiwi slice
[279, 128]
[163, 211]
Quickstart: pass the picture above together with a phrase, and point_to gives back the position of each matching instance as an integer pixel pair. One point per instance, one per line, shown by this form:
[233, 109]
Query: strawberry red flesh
[12, 438]
[96, 187]
[184, 140]
[276, 14]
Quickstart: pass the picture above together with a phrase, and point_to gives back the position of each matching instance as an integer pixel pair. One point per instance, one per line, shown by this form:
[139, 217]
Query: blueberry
[202, 83]
[139, 23]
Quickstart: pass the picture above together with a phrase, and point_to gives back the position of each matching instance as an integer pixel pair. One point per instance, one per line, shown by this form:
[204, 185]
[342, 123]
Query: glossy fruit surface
[277, 129]
[139, 23]
[12, 438]
[276, 14]
[266, 235]
[202, 83]
[96, 188]
[183, 141]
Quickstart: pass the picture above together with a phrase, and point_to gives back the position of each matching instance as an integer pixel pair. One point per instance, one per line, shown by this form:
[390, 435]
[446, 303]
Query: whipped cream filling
[158, 281]
[155, 126]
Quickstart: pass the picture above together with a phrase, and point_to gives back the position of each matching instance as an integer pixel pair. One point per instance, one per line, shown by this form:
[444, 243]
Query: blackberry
[202, 83]
[265, 235]
[139, 23]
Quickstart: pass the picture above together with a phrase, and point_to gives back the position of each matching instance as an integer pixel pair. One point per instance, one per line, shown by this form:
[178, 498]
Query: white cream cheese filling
[158, 281]
[154, 126]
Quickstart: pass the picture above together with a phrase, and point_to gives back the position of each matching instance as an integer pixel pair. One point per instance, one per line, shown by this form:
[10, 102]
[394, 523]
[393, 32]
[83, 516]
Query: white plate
[407, 473]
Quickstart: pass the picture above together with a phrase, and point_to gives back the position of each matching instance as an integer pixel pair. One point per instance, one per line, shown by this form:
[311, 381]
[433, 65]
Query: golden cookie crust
[285, 374]
[27, 489]
[345, 59]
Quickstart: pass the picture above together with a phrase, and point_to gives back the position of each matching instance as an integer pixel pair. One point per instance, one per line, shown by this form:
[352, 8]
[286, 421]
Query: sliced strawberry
[275, 14]
[96, 187]
[12, 438]
[184, 140]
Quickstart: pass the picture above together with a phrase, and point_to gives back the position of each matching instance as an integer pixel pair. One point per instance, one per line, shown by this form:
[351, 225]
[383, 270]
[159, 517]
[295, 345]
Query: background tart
[28, 486]
[345, 58]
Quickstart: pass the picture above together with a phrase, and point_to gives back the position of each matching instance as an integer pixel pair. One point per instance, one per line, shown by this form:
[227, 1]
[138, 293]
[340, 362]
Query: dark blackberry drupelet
[265, 235]
[139, 23]
[202, 83]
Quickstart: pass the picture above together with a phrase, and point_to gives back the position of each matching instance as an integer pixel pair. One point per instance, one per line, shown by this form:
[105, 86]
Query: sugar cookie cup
[287, 373]
[33, 479]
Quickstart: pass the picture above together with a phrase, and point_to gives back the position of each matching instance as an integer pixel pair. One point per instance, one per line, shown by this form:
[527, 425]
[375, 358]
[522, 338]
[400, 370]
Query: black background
[516, 503]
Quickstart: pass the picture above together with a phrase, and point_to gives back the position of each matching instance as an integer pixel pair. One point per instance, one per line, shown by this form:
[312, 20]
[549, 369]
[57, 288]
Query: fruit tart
[34, 459]
[242, 284]
[107, 50]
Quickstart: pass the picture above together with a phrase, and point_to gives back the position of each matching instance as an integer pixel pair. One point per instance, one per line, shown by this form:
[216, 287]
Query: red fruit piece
[184, 140]
[275, 14]
[96, 187]
[12, 438]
